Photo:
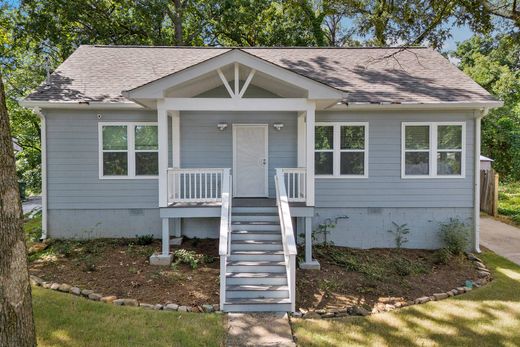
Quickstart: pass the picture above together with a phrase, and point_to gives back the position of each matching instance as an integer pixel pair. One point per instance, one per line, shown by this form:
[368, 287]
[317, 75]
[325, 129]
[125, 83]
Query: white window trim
[336, 151]
[433, 150]
[130, 128]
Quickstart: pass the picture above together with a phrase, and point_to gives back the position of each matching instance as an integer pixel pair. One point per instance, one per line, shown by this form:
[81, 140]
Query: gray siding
[368, 227]
[204, 146]
[384, 186]
[72, 164]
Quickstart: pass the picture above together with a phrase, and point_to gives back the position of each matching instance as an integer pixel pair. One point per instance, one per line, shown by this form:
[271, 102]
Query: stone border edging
[112, 299]
[484, 277]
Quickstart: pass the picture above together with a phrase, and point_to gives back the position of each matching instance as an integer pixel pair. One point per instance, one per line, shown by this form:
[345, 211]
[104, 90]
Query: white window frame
[433, 150]
[336, 151]
[130, 128]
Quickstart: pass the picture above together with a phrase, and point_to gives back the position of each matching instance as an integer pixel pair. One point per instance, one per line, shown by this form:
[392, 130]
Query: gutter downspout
[476, 203]
[43, 133]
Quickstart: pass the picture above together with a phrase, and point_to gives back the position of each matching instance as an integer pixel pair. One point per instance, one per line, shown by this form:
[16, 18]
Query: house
[485, 163]
[256, 145]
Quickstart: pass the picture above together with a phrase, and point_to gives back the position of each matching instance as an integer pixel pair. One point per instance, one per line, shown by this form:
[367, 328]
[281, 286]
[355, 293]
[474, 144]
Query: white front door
[250, 160]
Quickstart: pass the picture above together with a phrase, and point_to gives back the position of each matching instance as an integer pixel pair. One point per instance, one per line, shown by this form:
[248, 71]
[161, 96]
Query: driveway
[33, 203]
[502, 238]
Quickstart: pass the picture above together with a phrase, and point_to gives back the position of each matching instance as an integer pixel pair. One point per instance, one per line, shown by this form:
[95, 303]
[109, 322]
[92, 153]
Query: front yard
[509, 201]
[488, 316]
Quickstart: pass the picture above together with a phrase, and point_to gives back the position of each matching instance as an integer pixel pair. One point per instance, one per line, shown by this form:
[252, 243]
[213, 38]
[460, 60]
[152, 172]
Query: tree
[16, 318]
[494, 63]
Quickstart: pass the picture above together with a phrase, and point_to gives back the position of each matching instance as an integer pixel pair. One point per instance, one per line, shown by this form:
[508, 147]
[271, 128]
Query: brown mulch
[344, 285]
[120, 267]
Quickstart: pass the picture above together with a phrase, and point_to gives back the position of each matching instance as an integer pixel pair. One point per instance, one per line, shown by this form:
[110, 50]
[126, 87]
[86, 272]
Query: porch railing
[288, 241]
[225, 231]
[295, 183]
[195, 185]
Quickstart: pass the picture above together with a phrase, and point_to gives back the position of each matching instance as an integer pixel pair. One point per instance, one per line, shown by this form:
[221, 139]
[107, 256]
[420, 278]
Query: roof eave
[467, 105]
[125, 105]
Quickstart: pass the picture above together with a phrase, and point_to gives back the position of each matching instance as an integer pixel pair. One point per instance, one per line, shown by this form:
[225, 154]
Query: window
[340, 149]
[433, 149]
[128, 150]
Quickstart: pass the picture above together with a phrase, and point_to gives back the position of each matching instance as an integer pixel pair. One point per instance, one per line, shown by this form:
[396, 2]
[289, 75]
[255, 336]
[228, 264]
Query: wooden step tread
[255, 223]
[257, 253]
[254, 242]
[251, 287]
[256, 274]
[242, 301]
[253, 214]
[262, 232]
[257, 263]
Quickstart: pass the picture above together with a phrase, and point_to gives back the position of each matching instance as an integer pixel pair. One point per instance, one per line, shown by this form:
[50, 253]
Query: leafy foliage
[144, 240]
[191, 258]
[400, 233]
[455, 236]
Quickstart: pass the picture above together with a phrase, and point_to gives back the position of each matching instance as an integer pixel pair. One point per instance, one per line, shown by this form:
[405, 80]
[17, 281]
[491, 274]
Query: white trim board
[266, 167]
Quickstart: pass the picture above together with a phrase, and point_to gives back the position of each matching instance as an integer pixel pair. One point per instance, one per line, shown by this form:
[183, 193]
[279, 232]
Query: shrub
[144, 240]
[443, 256]
[191, 258]
[399, 234]
[455, 236]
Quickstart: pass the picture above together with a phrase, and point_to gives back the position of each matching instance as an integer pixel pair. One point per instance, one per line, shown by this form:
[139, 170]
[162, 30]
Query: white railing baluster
[295, 186]
[192, 186]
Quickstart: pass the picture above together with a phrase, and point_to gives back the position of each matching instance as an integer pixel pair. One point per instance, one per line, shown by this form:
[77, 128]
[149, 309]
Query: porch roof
[367, 75]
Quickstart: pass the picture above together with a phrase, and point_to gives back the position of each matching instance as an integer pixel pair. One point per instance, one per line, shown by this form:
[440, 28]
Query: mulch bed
[120, 267]
[375, 277]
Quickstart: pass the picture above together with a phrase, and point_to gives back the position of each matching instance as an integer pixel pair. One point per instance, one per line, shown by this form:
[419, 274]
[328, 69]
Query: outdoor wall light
[222, 126]
[278, 126]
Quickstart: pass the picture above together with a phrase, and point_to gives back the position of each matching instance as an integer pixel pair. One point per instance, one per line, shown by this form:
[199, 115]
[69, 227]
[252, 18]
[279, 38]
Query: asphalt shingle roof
[371, 75]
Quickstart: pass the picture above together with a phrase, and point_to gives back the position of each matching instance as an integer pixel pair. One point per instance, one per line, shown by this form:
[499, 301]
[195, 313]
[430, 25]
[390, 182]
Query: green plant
[443, 256]
[144, 240]
[455, 236]
[191, 258]
[400, 233]
[89, 264]
[405, 267]
[63, 248]
[323, 230]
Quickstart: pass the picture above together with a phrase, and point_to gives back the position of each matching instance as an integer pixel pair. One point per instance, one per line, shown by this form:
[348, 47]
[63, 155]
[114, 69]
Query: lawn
[488, 316]
[509, 201]
[67, 320]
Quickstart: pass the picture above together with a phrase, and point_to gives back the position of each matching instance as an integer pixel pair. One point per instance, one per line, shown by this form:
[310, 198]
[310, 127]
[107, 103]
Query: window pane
[352, 163]
[417, 163]
[115, 164]
[146, 137]
[323, 163]
[146, 163]
[324, 137]
[449, 163]
[449, 137]
[115, 137]
[352, 137]
[417, 137]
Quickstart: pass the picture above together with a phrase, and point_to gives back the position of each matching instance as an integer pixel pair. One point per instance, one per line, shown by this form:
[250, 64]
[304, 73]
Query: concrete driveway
[33, 203]
[502, 238]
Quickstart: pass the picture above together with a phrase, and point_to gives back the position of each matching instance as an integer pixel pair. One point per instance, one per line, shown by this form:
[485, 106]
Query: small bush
[63, 248]
[191, 258]
[455, 236]
[443, 256]
[144, 240]
[405, 267]
[400, 233]
[89, 265]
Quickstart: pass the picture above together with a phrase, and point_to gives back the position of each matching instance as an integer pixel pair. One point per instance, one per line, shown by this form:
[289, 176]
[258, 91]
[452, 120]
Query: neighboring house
[155, 140]
[16, 146]
[486, 163]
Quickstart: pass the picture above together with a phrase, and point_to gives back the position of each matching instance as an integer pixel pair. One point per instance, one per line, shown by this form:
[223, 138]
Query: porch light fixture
[222, 126]
[278, 126]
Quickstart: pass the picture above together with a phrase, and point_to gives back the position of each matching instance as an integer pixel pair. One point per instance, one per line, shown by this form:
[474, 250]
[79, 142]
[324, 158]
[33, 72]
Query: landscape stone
[46, 285]
[297, 315]
[422, 300]
[342, 314]
[95, 296]
[36, 281]
[64, 287]
[146, 306]
[360, 311]
[328, 315]
[216, 307]
[207, 308]
[158, 307]
[108, 299]
[171, 307]
[440, 296]
[467, 289]
[75, 291]
[183, 309]
[86, 292]
[312, 315]
[55, 286]
[461, 290]
[483, 274]
[119, 302]
[130, 302]
[321, 311]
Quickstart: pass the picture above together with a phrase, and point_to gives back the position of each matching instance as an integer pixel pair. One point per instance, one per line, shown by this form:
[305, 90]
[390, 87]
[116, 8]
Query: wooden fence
[489, 192]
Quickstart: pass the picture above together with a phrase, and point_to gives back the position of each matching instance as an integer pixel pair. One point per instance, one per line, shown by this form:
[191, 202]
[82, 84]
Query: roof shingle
[368, 75]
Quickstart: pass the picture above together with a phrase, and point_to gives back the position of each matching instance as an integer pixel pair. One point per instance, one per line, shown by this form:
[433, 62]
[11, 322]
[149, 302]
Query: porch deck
[237, 202]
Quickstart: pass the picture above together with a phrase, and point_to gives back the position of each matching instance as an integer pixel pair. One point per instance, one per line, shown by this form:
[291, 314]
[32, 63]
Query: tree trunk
[16, 317]
[177, 22]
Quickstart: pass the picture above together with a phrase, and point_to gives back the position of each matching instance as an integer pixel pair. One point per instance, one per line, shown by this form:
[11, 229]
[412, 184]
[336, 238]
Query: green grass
[33, 228]
[509, 201]
[488, 316]
[67, 320]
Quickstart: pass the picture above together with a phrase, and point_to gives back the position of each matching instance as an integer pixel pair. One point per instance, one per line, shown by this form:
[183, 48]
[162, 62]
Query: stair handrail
[225, 231]
[288, 241]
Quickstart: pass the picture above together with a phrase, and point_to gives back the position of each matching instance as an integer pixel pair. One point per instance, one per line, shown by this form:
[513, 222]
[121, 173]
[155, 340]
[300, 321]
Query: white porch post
[301, 139]
[162, 121]
[311, 108]
[309, 263]
[176, 139]
[165, 237]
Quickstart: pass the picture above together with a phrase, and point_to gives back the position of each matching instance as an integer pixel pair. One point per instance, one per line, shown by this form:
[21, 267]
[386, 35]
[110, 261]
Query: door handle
[263, 162]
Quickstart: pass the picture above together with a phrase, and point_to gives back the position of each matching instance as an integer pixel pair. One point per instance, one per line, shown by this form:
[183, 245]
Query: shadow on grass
[66, 320]
[488, 316]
